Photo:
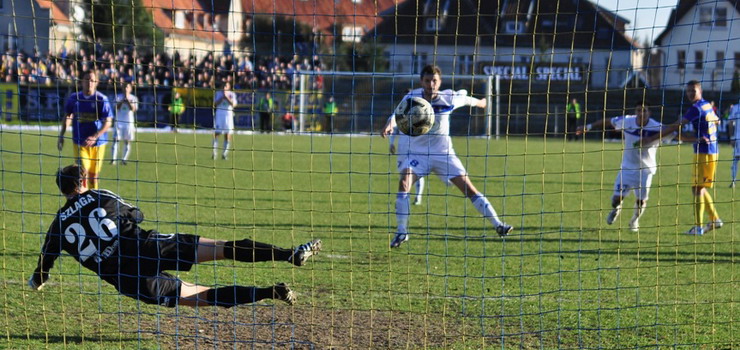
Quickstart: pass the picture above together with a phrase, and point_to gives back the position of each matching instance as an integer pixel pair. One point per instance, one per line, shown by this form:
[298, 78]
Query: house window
[465, 64]
[418, 61]
[357, 1]
[179, 19]
[699, 59]
[681, 63]
[432, 25]
[720, 60]
[514, 27]
[352, 34]
[711, 16]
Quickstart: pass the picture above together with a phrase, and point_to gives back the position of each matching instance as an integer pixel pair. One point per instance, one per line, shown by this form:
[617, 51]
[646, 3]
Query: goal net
[267, 121]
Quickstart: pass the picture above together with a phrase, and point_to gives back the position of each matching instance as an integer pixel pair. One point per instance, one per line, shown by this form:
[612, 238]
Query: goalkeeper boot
[613, 215]
[399, 239]
[305, 251]
[281, 291]
[504, 229]
[713, 225]
[696, 230]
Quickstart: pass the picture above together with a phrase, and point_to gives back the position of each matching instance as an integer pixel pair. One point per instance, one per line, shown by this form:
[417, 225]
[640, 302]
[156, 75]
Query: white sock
[215, 146]
[638, 212]
[126, 150]
[484, 207]
[403, 211]
[114, 151]
[419, 187]
[733, 168]
[226, 147]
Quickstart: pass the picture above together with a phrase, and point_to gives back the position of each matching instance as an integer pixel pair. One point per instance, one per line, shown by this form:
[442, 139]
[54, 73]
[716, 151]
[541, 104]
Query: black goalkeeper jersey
[94, 227]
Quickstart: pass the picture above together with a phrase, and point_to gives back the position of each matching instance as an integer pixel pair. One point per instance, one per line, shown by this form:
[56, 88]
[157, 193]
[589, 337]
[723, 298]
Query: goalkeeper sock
[403, 211]
[235, 295]
[126, 150]
[247, 250]
[698, 210]
[215, 146]
[709, 203]
[226, 147]
[733, 168]
[484, 207]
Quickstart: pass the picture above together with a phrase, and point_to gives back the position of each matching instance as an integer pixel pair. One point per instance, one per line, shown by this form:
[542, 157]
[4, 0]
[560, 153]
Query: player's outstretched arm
[388, 128]
[599, 124]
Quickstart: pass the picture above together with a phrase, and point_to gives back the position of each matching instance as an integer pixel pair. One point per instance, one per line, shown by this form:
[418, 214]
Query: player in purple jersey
[90, 114]
[101, 231]
[704, 120]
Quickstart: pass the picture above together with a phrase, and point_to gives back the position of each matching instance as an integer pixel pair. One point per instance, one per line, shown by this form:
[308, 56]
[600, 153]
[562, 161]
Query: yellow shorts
[90, 158]
[705, 165]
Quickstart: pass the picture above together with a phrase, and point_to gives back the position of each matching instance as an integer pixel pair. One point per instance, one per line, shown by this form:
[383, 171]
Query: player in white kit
[734, 130]
[638, 160]
[126, 106]
[433, 152]
[402, 150]
[224, 103]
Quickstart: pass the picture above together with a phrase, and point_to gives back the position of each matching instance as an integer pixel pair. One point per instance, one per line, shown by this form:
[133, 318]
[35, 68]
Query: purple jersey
[701, 115]
[90, 114]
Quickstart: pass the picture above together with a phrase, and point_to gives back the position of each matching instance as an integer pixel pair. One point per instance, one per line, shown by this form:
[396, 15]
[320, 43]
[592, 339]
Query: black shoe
[305, 251]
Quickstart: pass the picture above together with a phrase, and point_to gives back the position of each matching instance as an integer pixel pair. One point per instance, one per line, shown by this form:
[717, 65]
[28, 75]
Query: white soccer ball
[414, 116]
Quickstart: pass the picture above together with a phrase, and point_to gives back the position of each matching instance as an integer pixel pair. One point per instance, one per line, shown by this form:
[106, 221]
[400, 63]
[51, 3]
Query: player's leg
[95, 158]
[215, 144]
[227, 143]
[246, 250]
[196, 295]
[403, 206]
[419, 190]
[481, 203]
[733, 169]
[128, 138]
[641, 193]
[621, 188]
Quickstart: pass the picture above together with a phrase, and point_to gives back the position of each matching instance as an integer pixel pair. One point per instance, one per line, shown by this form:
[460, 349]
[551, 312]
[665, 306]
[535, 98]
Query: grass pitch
[562, 279]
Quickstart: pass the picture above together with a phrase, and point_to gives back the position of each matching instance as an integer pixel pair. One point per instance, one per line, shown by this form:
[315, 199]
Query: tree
[361, 57]
[278, 36]
[119, 23]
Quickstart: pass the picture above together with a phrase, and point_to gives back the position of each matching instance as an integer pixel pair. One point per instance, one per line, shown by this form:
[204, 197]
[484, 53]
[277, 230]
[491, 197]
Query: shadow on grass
[73, 339]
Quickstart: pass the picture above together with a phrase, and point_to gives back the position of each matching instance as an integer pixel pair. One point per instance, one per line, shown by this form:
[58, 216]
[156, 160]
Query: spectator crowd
[161, 70]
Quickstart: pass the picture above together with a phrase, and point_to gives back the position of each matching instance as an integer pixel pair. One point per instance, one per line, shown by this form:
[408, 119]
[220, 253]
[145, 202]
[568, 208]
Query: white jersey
[124, 113]
[636, 158]
[437, 141]
[225, 108]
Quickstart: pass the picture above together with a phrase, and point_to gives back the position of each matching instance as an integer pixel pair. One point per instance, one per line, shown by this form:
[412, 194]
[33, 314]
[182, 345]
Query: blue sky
[647, 18]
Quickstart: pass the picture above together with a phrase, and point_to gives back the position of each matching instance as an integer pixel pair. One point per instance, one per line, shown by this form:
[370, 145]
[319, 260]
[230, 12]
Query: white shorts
[125, 130]
[633, 180]
[223, 123]
[446, 166]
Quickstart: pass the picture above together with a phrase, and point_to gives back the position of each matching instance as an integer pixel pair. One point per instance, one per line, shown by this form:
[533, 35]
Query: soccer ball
[414, 116]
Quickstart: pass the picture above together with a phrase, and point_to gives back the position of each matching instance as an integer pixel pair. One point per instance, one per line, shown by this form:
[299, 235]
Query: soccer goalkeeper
[101, 231]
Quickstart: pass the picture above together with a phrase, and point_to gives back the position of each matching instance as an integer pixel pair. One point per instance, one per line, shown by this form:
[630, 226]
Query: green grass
[563, 279]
